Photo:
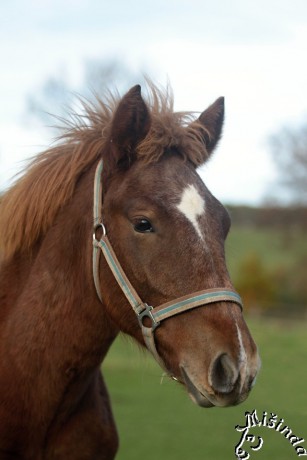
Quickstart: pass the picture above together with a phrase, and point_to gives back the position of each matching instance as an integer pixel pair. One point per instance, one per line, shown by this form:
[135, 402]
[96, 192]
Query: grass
[158, 421]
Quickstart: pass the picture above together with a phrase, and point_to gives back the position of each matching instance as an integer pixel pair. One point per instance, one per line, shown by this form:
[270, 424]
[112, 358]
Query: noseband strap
[144, 312]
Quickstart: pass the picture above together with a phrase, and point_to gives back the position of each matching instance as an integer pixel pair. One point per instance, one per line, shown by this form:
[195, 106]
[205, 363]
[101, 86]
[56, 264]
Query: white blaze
[242, 358]
[192, 205]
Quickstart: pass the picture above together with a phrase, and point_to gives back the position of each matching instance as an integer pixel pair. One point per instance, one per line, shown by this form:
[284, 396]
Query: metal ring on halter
[104, 231]
[147, 312]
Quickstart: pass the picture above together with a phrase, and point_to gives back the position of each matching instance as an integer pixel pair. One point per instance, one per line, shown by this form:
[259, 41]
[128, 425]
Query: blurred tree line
[58, 96]
[286, 218]
[288, 148]
[273, 275]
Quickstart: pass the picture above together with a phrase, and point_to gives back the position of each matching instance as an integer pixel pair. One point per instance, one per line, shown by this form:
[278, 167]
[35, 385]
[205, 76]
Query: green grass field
[156, 420]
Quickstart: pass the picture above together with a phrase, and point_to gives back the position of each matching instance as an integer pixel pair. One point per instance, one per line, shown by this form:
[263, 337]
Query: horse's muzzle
[228, 384]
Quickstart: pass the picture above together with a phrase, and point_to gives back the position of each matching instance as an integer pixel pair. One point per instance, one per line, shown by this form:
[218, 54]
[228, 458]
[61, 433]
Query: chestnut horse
[156, 235]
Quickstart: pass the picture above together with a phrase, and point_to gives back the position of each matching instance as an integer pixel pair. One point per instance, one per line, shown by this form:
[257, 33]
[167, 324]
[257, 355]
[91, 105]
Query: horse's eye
[143, 226]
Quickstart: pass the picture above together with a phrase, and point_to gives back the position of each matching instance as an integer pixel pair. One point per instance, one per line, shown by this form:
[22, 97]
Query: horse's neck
[56, 311]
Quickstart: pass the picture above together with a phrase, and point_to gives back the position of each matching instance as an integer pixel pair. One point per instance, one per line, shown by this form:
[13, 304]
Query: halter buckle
[148, 313]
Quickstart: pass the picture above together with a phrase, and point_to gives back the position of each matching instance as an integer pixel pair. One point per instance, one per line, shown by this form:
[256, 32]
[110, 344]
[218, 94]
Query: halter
[141, 309]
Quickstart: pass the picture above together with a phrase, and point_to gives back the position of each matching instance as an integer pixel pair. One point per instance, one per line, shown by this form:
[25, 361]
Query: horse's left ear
[212, 120]
[130, 125]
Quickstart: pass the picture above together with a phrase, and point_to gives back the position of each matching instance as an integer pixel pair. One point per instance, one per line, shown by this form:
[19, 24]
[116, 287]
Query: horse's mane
[29, 207]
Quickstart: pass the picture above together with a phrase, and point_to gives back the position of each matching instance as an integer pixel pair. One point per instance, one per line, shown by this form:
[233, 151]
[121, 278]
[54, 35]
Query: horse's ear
[130, 125]
[212, 120]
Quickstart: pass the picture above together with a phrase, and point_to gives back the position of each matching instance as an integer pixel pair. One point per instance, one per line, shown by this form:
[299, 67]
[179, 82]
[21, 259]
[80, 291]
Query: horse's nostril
[223, 374]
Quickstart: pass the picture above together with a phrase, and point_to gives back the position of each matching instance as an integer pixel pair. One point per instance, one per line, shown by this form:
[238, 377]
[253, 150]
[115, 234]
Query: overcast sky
[251, 52]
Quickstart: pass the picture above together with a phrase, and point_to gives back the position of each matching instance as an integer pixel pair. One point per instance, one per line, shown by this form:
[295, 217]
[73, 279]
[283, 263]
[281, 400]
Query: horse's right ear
[130, 125]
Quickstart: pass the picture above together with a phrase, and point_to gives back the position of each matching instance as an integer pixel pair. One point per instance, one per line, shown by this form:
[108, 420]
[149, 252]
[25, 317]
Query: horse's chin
[196, 396]
[201, 400]
[205, 399]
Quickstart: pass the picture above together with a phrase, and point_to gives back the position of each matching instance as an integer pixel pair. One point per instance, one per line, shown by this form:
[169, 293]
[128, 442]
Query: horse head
[168, 233]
